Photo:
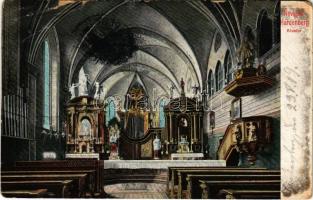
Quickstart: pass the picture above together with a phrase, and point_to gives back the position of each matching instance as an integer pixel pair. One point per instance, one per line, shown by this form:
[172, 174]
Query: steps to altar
[160, 164]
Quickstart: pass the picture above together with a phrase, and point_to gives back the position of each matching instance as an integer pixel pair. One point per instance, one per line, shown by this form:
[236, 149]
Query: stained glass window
[110, 112]
[161, 114]
[46, 72]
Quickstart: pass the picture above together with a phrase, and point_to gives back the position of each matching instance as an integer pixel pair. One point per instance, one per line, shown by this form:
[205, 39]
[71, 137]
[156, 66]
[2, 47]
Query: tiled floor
[136, 191]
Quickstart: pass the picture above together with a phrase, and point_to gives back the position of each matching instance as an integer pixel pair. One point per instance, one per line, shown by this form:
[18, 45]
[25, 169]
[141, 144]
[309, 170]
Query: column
[170, 126]
[195, 126]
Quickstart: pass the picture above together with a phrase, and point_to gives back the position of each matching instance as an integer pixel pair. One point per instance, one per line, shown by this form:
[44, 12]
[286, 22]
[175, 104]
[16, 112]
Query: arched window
[210, 83]
[228, 70]
[46, 79]
[218, 76]
[277, 23]
[161, 114]
[110, 112]
[51, 82]
[265, 32]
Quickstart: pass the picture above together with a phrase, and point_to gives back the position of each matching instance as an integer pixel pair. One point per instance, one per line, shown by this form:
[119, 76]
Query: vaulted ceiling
[174, 40]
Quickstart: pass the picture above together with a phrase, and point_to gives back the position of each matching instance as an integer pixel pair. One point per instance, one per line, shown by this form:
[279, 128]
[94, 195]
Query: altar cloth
[161, 164]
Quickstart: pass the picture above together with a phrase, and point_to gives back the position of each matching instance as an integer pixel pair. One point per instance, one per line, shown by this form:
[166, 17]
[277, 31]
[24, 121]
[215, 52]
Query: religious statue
[172, 91]
[102, 93]
[182, 85]
[252, 137]
[156, 147]
[82, 83]
[114, 136]
[261, 70]
[252, 145]
[97, 95]
[72, 90]
[195, 90]
[246, 52]
[183, 122]
[238, 134]
[151, 120]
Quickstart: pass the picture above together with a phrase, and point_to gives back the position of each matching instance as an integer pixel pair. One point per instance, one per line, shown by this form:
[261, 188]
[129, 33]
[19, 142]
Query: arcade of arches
[135, 80]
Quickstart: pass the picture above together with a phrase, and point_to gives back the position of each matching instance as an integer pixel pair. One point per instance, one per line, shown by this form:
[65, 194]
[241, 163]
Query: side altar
[85, 128]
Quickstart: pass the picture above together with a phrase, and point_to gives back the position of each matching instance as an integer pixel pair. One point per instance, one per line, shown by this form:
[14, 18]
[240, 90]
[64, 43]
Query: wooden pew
[60, 189]
[39, 193]
[248, 194]
[79, 188]
[210, 189]
[90, 179]
[66, 165]
[173, 176]
[185, 181]
[193, 187]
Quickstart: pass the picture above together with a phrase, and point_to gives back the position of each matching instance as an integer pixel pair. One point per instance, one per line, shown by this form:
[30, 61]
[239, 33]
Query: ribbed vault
[173, 39]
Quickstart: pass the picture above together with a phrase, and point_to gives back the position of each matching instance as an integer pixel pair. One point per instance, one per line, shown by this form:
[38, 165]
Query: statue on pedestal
[182, 85]
[82, 83]
[97, 94]
[156, 147]
[172, 91]
[252, 145]
[72, 90]
[246, 51]
[114, 136]
[102, 94]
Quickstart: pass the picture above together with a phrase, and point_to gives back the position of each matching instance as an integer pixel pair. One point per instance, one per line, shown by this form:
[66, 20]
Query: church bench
[183, 174]
[59, 189]
[193, 189]
[39, 193]
[210, 189]
[173, 178]
[173, 175]
[248, 194]
[79, 188]
[66, 165]
[90, 179]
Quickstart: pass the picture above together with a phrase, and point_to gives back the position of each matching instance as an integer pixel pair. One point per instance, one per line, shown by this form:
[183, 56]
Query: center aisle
[136, 191]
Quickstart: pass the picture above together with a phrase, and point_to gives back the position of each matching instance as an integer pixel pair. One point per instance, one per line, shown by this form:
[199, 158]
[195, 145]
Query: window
[264, 33]
[46, 72]
[161, 113]
[218, 76]
[210, 83]
[228, 71]
[277, 23]
[110, 112]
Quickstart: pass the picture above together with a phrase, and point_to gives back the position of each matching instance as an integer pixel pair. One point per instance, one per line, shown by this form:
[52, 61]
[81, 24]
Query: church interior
[140, 99]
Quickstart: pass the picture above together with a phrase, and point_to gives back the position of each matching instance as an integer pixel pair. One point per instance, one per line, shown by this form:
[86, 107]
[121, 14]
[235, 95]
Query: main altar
[184, 131]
